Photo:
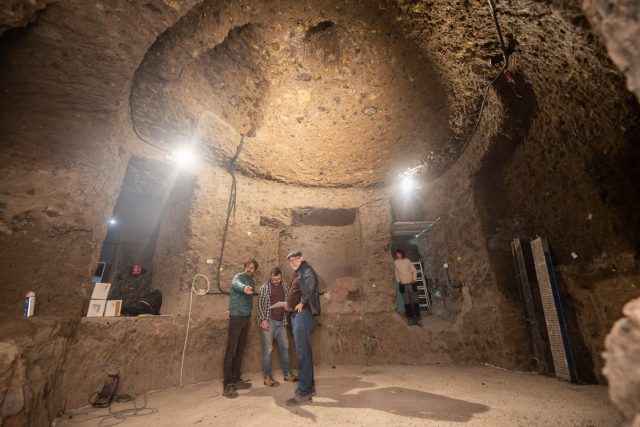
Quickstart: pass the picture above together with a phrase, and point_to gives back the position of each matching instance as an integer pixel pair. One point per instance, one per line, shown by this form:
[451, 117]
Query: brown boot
[299, 400]
[291, 377]
[270, 382]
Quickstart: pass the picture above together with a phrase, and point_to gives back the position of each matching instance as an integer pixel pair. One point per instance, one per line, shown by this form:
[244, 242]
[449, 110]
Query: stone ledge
[106, 320]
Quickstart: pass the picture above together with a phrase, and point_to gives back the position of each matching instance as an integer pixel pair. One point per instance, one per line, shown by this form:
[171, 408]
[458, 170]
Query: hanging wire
[134, 126]
[231, 209]
[199, 292]
[494, 15]
[503, 70]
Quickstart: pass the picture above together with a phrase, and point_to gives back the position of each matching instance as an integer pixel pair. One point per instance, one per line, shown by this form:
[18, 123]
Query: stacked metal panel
[554, 318]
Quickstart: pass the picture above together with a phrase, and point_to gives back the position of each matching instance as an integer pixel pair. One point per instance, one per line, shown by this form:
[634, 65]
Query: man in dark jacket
[240, 305]
[303, 302]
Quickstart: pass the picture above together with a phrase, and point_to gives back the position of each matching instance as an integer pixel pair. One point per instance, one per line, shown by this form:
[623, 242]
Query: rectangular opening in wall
[323, 216]
[148, 232]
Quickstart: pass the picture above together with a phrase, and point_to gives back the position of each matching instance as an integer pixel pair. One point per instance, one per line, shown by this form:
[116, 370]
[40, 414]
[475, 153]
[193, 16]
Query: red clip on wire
[511, 81]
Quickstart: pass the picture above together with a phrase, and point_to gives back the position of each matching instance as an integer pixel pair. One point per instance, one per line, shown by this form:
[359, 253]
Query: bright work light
[183, 157]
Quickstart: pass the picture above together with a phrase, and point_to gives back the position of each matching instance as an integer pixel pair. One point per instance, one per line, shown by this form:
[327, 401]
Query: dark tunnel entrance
[143, 222]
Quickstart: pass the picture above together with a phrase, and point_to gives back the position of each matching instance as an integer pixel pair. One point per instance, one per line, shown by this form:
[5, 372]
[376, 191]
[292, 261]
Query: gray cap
[295, 253]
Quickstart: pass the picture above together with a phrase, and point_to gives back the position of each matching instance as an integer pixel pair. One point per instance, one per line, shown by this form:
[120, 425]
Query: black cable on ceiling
[504, 70]
[231, 207]
[494, 15]
[134, 82]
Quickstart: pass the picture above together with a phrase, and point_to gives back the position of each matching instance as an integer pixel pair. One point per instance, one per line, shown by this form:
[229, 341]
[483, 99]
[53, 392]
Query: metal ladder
[423, 291]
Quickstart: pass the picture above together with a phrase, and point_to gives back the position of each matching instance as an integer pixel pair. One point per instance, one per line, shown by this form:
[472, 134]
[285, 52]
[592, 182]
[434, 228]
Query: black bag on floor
[150, 304]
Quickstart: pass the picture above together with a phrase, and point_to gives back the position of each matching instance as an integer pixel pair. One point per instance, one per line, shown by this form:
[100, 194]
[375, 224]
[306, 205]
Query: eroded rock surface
[622, 367]
[618, 23]
[18, 13]
[336, 98]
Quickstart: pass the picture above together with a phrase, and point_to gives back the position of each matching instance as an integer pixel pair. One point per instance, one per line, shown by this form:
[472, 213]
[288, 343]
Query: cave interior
[157, 145]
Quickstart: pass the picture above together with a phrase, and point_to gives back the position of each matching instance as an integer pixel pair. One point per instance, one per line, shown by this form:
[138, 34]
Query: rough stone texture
[538, 166]
[618, 24]
[469, 293]
[146, 353]
[32, 352]
[489, 196]
[318, 245]
[18, 13]
[315, 216]
[247, 237]
[11, 380]
[358, 325]
[335, 78]
[555, 56]
[384, 395]
[555, 162]
[61, 172]
[622, 367]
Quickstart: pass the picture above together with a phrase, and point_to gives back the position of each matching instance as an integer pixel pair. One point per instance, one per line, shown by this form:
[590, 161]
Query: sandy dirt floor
[383, 395]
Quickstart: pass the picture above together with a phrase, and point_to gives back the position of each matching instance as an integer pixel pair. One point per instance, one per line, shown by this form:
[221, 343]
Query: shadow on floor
[353, 392]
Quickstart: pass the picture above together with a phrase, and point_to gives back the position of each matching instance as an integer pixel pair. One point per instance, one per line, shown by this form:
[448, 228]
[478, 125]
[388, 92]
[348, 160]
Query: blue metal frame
[561, 320]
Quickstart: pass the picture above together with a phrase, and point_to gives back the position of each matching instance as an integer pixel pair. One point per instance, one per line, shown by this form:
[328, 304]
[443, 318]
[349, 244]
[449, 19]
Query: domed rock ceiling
[330, 94]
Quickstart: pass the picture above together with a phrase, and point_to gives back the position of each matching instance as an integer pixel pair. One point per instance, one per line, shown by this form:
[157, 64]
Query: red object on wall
[136, 270]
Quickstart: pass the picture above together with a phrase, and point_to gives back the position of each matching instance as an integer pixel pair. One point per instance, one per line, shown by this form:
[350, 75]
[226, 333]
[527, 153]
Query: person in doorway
[407, 277]
[240, 305]
[273, 323]
[303, 302]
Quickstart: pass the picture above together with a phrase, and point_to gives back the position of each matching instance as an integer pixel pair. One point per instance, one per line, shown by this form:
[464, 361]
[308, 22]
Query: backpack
[150, 304]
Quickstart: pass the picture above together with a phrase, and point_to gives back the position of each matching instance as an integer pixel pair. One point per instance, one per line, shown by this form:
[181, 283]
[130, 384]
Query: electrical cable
[419, 235]
[503, 47]
[372, 201]
[136, 411]
[186, 335]
[482, 106]
[119, 415]
[231, 208]
[494, 15]
[504, 70]
[134, 81]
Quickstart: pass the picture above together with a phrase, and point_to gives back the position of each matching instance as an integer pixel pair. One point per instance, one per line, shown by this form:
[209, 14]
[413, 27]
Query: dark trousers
[409, 293]
[236, 342]
[302, 325]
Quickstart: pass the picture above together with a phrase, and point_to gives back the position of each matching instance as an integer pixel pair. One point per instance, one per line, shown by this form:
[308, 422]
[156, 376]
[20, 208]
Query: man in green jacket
[240, 305]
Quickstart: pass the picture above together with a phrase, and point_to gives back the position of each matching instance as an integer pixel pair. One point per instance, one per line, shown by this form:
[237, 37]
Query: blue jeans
[302, 325]
[278, 332]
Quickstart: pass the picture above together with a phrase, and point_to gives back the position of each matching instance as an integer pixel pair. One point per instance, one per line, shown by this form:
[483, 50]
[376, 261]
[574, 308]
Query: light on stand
[183, 157]
[407, 184]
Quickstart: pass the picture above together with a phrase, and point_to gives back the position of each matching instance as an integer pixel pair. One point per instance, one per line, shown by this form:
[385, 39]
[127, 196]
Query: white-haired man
[303, 302]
